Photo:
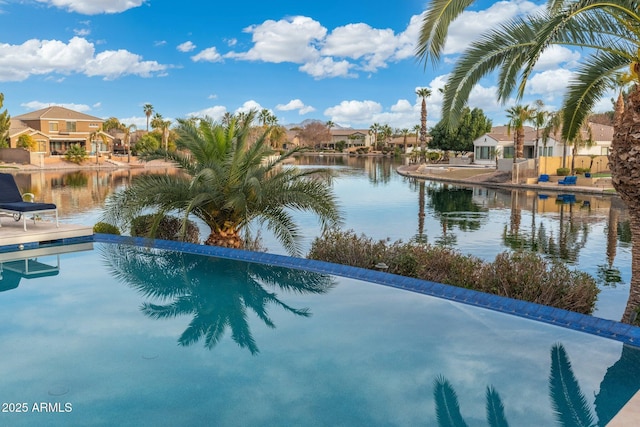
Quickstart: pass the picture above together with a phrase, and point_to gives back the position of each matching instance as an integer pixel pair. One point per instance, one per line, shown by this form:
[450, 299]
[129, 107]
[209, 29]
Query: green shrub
[76, 154]
[563, 171]
[167, 229]
[580, 171]
[105, 228]
[519, 275]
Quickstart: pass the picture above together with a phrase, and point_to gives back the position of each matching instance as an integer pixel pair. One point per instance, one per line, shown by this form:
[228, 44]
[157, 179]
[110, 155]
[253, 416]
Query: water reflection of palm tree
[218, 293]
[607, 273]
[569, 404]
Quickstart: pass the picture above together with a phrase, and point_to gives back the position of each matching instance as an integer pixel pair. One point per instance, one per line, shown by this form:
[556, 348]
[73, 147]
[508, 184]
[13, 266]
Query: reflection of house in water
[34, 263]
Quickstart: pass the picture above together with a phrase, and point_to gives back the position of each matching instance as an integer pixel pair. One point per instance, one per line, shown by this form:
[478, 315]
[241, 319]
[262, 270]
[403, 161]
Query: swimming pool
[132, 335]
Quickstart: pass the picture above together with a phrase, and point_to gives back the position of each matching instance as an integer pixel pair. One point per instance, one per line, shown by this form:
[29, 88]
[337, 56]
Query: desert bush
[563, 171]
[105, 228]
[529, 277]
[167, 229]
[349, 249]
[519, 275]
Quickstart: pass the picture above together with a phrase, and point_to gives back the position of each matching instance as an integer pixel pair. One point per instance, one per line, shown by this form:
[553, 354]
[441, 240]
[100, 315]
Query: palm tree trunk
[225, 238]
[624, 161]
[631, 312]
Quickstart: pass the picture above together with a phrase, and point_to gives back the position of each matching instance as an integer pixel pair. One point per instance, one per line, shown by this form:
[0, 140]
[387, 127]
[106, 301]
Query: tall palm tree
[127, 129]
[423, 93]
[554, 127]
[405, 134]
[148, 111]
[374, 130]
[539, 119]
[610, 32]
[228, 182]
[518, 115]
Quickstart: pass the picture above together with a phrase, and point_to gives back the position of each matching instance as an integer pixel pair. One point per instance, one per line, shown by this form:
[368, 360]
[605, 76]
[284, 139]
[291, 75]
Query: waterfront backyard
[590, 232]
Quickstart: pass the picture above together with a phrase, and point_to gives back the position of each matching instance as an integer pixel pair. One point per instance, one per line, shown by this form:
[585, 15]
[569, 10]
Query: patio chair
[12, 202]
[569, 180]
[543, 178]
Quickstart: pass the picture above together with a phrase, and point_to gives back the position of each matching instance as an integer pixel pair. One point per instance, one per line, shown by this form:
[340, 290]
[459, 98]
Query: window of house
[42, 145]
[94, 125]
[71, 126]
[53, 126]
[508, 152]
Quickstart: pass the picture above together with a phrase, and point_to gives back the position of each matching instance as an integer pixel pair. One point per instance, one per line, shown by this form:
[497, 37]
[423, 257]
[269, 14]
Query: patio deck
[12, 234]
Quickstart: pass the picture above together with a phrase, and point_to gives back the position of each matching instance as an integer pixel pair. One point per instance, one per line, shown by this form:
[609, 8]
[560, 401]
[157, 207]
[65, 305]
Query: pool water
[131, 335]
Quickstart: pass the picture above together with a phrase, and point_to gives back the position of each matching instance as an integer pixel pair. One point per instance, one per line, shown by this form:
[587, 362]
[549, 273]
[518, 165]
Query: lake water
[590, 233]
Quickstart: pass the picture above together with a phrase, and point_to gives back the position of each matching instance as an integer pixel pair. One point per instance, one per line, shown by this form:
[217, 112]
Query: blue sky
[350, 62]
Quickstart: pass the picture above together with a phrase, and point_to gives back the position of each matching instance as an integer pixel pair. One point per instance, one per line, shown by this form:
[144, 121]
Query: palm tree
[609, 31]
[539, 119]
[554, 127]
[405, 133]
[518, 115]
[374, 129]
[423, 93]
[148, 111]
[127, 139]
[264, 116]
[227, 182]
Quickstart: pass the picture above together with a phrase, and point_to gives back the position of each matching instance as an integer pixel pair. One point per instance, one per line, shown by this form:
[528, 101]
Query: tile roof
[56, 112]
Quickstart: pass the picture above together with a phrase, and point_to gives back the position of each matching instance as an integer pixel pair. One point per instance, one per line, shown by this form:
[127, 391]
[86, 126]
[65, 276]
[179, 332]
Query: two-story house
[56, 128]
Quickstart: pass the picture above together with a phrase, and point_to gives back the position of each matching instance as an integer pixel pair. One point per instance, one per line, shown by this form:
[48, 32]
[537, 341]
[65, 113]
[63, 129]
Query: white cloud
[94, 7]
[248, 106]
[360, 41]
[295, 104]
[357, 112]
[287, 40]
[554, 56]
[187, 46]
[327, 67]
[408, 39]
[38, 105]
[137, 121]
[82, 32]
[113, 64]
[216, 112]
[549, 84]
[38, 57]
[208, 55]
[347, 49]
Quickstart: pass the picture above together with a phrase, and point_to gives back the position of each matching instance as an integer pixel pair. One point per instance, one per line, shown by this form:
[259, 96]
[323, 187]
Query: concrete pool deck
[489, 177]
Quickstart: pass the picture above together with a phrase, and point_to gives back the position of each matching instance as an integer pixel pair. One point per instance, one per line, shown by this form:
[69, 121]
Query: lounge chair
[569, 180]
[543, 178]
[12, 202]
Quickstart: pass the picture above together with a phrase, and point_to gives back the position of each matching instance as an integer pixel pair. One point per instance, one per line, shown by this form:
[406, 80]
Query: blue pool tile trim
[627, 334]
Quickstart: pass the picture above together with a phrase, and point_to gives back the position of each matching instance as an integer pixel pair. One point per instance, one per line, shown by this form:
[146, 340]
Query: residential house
[500, 142]
[55, 129]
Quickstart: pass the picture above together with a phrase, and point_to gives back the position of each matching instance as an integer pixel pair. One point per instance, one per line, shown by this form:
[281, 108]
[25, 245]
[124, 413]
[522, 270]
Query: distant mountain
[308, 121]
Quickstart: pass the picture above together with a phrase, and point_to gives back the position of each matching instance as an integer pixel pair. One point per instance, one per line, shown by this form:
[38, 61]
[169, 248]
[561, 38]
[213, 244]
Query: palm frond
[495, 409]
[435, 27]
[591, 81]
[569, 404]
[447, 408]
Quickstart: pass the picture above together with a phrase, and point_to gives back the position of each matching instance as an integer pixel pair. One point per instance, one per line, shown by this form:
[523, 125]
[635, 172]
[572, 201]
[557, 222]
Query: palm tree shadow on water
[217, 293]
[569, 405]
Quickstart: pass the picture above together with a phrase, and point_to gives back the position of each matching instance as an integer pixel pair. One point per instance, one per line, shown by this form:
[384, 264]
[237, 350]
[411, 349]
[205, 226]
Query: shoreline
[483, 178]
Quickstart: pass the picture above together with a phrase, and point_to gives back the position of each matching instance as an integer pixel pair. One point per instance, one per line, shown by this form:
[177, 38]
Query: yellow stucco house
[55, 129]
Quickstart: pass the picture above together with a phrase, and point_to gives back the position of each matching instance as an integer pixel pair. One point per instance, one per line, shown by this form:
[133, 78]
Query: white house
[500, 143]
